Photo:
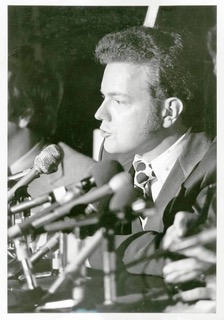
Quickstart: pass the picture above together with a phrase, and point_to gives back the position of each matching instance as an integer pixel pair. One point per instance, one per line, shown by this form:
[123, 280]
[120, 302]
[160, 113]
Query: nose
[102, 112]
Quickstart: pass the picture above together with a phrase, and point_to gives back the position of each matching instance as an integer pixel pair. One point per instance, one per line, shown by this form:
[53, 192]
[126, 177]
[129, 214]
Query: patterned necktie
[143, 175]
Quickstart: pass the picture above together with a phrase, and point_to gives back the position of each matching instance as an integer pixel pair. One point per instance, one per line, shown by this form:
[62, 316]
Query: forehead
[124, 76]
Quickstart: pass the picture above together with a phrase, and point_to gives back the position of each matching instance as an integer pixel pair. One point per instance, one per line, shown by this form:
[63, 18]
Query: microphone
[56, 195]
[48, 246]
[46, 162]
[17, 176]
[23, 257]
[127, 205]
[70, 224]
[100, 174]
[30, 203]
[116, 183]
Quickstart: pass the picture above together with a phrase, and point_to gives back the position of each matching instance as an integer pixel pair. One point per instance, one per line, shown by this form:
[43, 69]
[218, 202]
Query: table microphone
[46, 162]
[127, 206]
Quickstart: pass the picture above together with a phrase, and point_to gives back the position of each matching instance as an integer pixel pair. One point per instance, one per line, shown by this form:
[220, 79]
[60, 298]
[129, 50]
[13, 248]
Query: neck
[20, 141]
[164, 141]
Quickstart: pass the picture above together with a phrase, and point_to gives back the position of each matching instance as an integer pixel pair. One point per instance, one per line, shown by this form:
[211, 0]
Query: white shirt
[162, 165]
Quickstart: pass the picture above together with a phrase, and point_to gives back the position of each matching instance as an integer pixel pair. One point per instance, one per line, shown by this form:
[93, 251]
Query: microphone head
[120, 180]
[48, 160]
[124, 198]
[104, 170]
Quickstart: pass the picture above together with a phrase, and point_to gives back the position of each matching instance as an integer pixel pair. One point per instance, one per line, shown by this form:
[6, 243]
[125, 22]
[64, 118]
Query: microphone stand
[22, 252]
[109, 267]
[73, 267]
[63, 249]
[79, 283]
[21, 194]
[74, 271]
[76, 268]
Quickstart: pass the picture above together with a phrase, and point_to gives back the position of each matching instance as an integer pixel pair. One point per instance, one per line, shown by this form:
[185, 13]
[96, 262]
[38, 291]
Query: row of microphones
[125, 206]
[100, 174]
[46, 162]
[106, 186]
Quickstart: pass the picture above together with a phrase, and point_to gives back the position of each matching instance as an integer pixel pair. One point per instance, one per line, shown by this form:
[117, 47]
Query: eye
[120, 101]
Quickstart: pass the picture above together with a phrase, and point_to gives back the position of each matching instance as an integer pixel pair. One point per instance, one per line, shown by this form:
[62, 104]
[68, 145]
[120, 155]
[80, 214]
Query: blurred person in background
[35, 93]
[35, 96]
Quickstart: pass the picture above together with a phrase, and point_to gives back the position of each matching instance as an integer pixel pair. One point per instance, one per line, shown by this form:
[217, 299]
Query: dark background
[67, 36]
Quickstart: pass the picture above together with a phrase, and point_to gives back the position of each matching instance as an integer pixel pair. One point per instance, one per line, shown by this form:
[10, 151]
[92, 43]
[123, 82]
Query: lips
[105, 134]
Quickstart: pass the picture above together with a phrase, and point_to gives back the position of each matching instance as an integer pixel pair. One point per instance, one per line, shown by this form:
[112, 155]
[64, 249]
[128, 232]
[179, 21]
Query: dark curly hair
[164, 53]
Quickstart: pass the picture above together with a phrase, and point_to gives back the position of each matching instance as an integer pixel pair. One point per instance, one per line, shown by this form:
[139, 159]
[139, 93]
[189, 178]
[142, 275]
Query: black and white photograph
[114, 200]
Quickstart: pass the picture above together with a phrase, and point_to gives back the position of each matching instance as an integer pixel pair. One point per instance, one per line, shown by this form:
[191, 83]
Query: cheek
[125, 125]
[135, 123]
[130, 134]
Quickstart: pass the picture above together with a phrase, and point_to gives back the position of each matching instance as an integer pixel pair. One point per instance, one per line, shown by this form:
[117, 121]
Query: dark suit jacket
[135, 245]
[196, 194]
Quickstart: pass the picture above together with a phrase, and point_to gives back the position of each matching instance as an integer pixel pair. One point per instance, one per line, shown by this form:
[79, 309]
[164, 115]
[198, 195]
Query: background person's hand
[201, 293]
[191, 246]
[178, 229]
[185, 270]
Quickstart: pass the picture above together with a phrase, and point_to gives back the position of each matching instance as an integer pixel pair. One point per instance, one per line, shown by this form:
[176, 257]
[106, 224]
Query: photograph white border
[3, 168]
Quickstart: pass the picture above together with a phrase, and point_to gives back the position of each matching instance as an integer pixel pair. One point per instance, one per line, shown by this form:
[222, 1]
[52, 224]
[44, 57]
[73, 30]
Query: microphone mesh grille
[48, 160]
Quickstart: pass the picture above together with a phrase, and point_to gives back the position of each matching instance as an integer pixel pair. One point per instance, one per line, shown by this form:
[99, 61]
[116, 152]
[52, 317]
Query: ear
[25, 119]
[172, 109]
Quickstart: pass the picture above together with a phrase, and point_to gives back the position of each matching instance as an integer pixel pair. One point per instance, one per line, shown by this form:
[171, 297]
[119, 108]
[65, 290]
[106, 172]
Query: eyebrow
[116, 94]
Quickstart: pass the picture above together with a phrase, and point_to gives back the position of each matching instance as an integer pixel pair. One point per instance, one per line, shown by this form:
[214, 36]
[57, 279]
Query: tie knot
[143, 172]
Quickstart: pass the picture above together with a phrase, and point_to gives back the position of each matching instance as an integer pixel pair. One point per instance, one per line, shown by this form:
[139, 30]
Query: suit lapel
[196, 147]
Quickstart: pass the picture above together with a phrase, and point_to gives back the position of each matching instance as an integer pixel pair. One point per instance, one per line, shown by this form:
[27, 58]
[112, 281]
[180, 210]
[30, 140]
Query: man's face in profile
[128, 113]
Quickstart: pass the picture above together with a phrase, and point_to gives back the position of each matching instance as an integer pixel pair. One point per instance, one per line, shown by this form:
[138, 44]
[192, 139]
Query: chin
[114, 149]
[110, 147]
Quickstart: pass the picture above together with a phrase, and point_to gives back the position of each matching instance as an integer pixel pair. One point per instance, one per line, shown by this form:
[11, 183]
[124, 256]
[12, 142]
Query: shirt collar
[136, 159]
[163, 164]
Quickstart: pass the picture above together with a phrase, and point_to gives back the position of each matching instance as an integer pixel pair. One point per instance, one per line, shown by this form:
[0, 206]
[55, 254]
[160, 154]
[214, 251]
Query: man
[150, 96]
[150, 109]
